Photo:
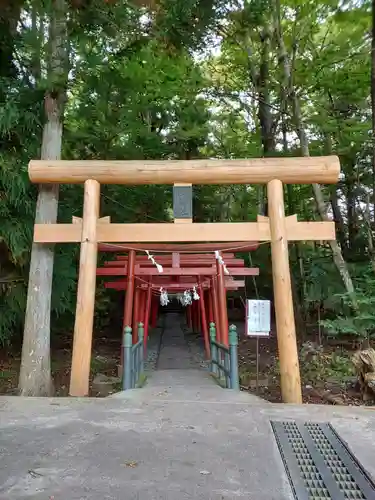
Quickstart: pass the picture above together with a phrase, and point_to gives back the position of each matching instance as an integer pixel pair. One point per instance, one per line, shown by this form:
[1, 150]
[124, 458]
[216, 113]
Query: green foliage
[130, 96]
[320, 366]
[360, 323]
[186, 24]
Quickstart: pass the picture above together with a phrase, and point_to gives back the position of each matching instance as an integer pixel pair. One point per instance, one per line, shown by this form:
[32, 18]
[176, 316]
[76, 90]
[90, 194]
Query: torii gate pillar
[286, 332]
[79, 380]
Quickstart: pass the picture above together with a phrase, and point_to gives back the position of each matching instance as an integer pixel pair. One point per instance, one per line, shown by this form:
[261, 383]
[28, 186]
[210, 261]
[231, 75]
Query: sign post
[258, 324]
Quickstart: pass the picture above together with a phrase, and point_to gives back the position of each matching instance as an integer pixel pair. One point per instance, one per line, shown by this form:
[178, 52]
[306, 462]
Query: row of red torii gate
[178, 270]
[205, 270]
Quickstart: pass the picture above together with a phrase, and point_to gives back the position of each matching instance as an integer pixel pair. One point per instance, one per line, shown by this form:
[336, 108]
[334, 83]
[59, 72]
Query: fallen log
[364, 364]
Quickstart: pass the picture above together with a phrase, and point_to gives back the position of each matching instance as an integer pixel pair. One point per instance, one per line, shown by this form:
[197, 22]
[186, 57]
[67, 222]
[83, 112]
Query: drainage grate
[319, 464]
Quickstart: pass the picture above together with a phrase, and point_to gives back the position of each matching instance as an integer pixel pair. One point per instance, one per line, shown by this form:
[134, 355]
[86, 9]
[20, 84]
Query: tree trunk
[264, 111]
[261, 83]
[338, 259]
[304, 144]
[337, 214]
[35, 374]
[339, 220]
[352, 216]
[370, 236]
[265, 117]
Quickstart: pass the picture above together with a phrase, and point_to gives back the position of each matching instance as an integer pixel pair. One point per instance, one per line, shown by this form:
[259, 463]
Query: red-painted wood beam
[121, 285]
[169, 263]
[161, 280]
[184, 256]
[152, 271]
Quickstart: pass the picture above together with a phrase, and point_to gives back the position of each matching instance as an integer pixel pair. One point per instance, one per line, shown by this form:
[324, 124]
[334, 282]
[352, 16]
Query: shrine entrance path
[174, 349]
[177, 366]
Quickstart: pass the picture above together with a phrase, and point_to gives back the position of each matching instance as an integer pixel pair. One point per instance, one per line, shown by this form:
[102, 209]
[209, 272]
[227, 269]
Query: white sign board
[258, 318]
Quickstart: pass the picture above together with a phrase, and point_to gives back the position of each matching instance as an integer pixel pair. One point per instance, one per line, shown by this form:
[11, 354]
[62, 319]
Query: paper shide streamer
[159, 267]
[187, 297]
[221, 261]
[195, 294]
[164, 299]
[184, 298]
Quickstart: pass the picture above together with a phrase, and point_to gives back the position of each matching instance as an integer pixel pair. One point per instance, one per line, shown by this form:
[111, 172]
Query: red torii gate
[180, 272]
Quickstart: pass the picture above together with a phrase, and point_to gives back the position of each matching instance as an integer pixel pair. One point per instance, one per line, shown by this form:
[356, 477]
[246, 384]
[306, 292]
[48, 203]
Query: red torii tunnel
[142, 282]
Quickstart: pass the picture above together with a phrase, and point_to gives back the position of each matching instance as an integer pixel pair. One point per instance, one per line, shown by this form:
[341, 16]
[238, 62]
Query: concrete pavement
[180, 437]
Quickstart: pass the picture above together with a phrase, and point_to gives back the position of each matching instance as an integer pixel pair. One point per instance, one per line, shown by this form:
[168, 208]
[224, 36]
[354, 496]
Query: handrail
[133, 370]
[224, 359]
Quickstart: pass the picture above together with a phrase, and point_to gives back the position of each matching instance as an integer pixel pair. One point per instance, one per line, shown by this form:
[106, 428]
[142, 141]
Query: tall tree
[35, 374]
[304, 145]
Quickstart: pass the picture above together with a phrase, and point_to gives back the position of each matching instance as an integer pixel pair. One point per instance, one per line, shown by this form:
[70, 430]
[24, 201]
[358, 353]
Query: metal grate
[319, 464]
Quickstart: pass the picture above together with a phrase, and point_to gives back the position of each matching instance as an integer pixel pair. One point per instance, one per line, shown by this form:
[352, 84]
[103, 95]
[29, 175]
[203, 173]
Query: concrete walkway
[174, 350]
[180, 437]
[176, 366]
[150, 445]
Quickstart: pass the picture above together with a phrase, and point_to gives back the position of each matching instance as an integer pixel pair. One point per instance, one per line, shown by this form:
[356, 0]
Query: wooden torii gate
[277, 229]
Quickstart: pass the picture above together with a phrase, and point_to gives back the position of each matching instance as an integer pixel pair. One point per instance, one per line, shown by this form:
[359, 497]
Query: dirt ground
[327, 372]
[105, 359]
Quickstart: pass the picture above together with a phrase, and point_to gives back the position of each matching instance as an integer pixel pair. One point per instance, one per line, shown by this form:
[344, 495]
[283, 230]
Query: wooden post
[210, 306]
[216, 309]
[199, 316]
[142, 306]
[207, 306]
[222, 298]
[286, 333]
[136, 314]
[214, 350]
[147, 315]
[233, 356]
[80, 373]
[204, 325]
[129, 297]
